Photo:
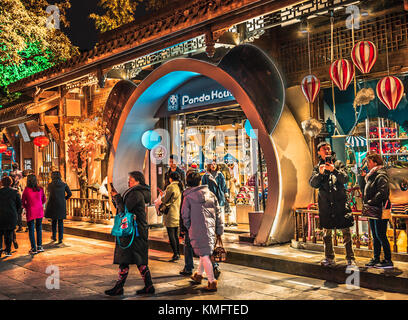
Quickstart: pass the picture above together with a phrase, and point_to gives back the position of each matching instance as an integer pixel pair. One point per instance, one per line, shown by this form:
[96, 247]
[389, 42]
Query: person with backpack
[56, 209]
[33, 200]
[134, 199]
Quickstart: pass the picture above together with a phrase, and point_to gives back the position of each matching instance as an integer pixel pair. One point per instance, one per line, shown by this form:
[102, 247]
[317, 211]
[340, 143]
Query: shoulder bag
[373, 212]
[124, 226]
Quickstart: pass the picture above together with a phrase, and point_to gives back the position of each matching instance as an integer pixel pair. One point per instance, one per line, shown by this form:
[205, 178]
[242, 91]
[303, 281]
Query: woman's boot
[147, 278]
[117, 290]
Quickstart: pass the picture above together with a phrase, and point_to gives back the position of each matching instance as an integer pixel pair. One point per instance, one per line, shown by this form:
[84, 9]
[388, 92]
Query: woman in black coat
[10, 204]
[56, 209]
[375, 188]
[135, 199]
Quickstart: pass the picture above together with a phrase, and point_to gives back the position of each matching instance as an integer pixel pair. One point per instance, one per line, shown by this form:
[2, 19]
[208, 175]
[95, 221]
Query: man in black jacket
[329, 176]
[174, 168]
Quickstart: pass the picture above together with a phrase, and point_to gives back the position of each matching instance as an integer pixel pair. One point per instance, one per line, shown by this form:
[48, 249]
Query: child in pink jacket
[33, 200]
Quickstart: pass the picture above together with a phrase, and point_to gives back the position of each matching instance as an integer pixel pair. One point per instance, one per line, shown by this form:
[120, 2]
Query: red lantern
[390, 90]
[310, 87]
[41, 141]
[341, 72]
[3, 148]
[364, 55]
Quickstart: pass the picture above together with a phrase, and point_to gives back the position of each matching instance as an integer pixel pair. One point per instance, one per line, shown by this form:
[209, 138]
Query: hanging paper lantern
[3, 148]
[41, 141]
[310, 87]
[341, 72]
[364, 55]
[390, 90]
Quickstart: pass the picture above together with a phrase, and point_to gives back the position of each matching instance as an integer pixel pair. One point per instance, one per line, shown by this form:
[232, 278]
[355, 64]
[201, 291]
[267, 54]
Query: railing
[307, 228]
[93, 209]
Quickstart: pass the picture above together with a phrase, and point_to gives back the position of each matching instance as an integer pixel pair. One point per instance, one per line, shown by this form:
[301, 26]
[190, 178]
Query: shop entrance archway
[136, 117]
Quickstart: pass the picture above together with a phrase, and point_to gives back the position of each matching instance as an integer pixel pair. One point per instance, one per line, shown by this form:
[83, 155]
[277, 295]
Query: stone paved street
[86, 270]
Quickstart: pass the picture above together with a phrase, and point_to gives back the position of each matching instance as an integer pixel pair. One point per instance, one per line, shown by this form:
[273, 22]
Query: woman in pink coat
[33, 200]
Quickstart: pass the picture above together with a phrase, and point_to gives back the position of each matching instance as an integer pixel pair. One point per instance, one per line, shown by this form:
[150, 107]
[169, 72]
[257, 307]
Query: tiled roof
[142, 33]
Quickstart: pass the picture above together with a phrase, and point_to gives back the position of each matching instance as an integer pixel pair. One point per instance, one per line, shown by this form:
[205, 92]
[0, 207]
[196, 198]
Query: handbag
[373, 212]
[163, 209]
[124, 226]
[219, 253]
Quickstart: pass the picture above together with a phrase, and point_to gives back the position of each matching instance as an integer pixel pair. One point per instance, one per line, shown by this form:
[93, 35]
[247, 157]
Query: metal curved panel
[260, 78]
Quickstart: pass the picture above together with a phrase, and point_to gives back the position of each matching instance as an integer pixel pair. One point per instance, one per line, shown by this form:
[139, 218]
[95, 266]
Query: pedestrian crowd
[20, 194]
[191, 208]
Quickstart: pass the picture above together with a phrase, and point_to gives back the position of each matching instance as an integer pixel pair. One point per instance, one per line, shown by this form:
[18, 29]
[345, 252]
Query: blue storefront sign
[200, 91]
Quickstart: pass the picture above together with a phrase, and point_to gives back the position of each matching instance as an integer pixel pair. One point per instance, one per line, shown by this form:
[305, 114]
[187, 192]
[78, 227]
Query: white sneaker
[327, 262]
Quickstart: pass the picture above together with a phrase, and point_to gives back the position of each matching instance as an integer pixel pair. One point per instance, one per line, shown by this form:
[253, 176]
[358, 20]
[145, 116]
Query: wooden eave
[195, 18]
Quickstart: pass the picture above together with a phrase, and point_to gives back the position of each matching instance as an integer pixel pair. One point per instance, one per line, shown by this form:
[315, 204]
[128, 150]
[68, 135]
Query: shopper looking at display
[375, 188]
[329, 176]
[217, 184]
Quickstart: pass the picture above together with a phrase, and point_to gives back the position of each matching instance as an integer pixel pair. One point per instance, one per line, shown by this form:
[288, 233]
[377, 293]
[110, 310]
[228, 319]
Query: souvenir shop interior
[373, 126]
[225, 135]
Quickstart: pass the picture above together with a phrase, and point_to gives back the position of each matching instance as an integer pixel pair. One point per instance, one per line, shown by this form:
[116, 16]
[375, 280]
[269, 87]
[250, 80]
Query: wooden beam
[44, 105]
[53, 131]
[51, 119]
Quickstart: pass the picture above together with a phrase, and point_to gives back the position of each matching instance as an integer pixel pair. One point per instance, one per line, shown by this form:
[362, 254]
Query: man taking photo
[329, 176]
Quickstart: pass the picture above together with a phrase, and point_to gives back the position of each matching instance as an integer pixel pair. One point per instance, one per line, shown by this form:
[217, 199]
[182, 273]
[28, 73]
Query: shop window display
[230, 146]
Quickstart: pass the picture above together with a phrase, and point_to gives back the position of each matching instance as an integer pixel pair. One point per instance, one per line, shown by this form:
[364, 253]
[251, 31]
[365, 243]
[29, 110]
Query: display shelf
[395, 154]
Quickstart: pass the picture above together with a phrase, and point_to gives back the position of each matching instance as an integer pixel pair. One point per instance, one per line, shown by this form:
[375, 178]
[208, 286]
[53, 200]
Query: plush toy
[373, 132]
[374, 147]
[393, 132]
[396, 146]
[241, 199]
[387, 147]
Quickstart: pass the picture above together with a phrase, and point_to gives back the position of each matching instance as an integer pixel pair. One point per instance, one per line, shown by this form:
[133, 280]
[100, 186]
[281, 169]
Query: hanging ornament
[41, 141]
[341, 72]
[310, 87]
[364, 55]
[390, 90]
[3, 148]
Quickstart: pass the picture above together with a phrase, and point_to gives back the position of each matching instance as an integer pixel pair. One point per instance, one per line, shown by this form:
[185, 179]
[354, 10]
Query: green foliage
[121, 12]
[7, 97]
[33, 60]
[27, 46]
[118, 13]
[23, 23]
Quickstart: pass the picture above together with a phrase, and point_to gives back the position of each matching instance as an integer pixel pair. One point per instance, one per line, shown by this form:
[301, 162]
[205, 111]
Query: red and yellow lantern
[342, 72]
[310, 87]
[364, 55]
[3, 148]
[390, 91]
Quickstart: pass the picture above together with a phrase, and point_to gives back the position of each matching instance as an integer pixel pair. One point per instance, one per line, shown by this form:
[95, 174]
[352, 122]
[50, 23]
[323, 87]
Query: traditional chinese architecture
[244, 59]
